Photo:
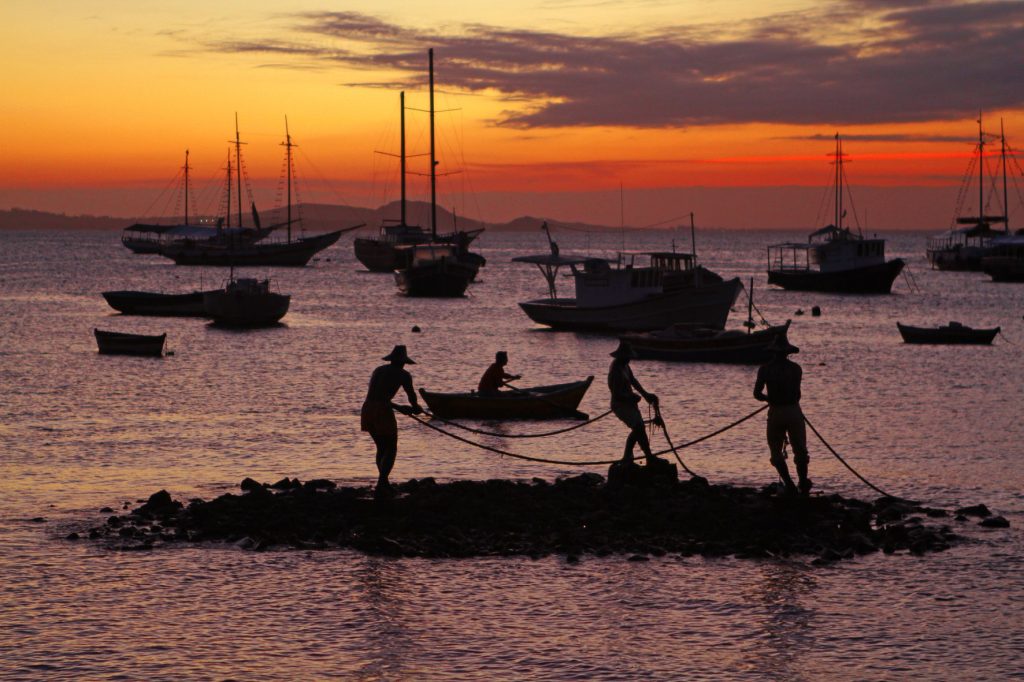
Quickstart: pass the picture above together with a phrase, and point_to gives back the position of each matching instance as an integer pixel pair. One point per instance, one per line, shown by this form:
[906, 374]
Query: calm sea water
[81, 431]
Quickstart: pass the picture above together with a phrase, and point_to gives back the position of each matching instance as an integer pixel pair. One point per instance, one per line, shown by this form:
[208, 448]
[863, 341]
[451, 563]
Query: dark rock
[249, 485]
[320, 484]
[646, 512]
[159, 504]
[416, 329]
[994, 522]
[639, 557]
[106, 510]
[936, 513]
[976, 510]
[71, 536]
[816, 311]
[38, 519]
[284, 484]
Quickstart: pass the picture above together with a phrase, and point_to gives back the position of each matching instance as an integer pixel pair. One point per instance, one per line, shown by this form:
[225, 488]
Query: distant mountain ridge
[315, 218]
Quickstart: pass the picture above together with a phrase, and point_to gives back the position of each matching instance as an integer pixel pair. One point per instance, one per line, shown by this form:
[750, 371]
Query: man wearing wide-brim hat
[625, 403]
[377, 416]
[781, 377]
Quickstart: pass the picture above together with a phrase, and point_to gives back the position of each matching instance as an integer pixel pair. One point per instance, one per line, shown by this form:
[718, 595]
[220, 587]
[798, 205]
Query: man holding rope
[625, 403]
[377, 416]
[782, 378]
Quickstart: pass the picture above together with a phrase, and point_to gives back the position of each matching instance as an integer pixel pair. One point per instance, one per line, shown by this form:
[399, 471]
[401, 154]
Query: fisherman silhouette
[495, 376]
[377, 416]
[621, 383]
[781, 376]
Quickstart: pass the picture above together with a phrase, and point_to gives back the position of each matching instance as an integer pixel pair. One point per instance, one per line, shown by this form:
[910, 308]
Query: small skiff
[681, 344]
[558, 401]
[953, 333]
[116, 343]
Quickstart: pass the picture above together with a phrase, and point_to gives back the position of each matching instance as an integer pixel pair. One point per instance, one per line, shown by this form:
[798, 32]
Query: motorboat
[434, 270]
[834, 258]
[1005, 259]
[246, 302]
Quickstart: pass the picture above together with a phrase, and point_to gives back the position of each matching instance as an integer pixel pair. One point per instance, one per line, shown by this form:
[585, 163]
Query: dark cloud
[889, 137]
[916, 60]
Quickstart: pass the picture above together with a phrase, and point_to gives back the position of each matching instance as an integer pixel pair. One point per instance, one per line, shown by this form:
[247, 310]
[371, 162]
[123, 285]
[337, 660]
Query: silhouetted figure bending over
[377, 416]
[625, 403]
[781, 376]
[495, 376]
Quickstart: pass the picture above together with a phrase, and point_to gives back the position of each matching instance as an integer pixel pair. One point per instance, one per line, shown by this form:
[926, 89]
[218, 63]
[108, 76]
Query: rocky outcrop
[635, 516]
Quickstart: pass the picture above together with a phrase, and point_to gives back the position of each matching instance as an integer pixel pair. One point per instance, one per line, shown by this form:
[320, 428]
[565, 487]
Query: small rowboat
[558, 401]
[682, 344]
[116, 343]
[153, 303]
[953, 333]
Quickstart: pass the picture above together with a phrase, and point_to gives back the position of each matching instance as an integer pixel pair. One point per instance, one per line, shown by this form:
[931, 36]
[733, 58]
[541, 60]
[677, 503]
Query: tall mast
[401, 104]
[1006, 206]
[981, 172]
[433, 162]
[839, 185]
[238, 157]
[288, 144]
[186, 187]
[227, 213]
[693, 238]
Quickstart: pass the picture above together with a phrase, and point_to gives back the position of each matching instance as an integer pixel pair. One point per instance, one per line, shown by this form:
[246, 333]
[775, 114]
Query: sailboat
[834, 258]
[389, 251]
[295, 252]
[434, 269]
[152, 238]
[963, 248]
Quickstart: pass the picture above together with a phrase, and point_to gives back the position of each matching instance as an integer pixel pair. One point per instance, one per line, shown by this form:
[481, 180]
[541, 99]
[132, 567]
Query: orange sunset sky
[725, 107]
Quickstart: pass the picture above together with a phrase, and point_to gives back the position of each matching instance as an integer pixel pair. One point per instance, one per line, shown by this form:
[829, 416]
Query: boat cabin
[829, 249]
[633, 276]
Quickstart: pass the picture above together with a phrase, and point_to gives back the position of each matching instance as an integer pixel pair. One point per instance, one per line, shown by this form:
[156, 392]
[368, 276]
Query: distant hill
[315, 218]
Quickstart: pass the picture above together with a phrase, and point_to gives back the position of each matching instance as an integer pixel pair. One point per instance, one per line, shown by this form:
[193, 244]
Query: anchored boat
[388, 252]
[157, 304]
[246, 302]
[294, 252]
[558, 401]
[963, 248]
[434, 269]
[118, 343]
[953, 333]
[640, 291]
[1005, 259]
[834, 259]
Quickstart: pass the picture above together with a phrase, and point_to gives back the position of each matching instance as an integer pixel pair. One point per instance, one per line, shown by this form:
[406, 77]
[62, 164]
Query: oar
[571, 413]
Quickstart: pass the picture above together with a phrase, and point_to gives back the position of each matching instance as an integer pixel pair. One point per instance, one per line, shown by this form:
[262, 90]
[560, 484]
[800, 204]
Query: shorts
[629, 414]
[378, 418]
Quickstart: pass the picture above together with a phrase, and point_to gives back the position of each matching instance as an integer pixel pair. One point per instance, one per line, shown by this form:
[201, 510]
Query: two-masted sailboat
[834, 258]
[390, 250]
[963, 248]
[437, 268]
[233, 252]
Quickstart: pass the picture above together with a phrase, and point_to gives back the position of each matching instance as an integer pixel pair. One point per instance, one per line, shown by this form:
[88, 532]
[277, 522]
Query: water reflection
[787, 626]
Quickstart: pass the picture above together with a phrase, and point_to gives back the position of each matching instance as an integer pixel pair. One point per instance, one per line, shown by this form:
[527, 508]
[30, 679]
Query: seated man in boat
[625, 403]
[377, 416]
[781, 376]
[495, 376]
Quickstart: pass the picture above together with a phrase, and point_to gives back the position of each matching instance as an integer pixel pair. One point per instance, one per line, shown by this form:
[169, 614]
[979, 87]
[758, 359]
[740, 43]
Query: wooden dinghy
[682, 344]
[558, 401]
[117, 343]
[953, 333]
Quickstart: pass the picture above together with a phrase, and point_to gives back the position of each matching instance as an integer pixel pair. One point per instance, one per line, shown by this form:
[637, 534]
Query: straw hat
[782, 345]
[624, 351]
[400, 355]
